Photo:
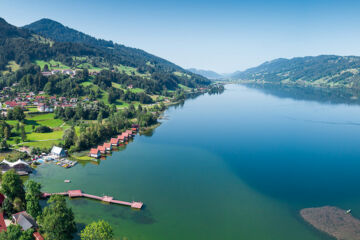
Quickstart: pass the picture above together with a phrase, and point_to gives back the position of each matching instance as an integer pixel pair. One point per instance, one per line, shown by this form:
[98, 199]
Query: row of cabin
[107, 147]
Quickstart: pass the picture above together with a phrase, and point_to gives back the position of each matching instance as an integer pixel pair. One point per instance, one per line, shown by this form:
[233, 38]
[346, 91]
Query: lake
[239, 165]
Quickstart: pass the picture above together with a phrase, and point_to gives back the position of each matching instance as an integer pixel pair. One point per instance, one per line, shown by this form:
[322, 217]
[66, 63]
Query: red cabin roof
[114, 141]
[94, 151]
[101, 148]
[107, 145]
[38, 236]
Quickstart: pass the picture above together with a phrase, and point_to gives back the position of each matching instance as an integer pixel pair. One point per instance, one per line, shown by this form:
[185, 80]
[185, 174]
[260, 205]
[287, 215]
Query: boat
[67, 181]
[348, 211]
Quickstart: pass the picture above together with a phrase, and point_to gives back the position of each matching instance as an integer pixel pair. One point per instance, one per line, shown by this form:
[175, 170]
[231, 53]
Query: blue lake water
[239, 165]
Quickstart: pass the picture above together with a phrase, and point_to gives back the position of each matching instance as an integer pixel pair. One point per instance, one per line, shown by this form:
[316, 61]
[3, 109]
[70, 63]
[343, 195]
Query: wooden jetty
[79, 193]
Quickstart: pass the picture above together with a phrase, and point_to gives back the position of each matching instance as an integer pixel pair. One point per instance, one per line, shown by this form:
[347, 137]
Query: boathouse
[95, 153]
[126, 135]
[114, 141]
[129, 132]
[121, 138]
[102, 149]
[108, 147]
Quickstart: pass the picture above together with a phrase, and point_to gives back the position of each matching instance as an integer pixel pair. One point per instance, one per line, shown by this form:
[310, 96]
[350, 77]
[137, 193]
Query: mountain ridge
[321, 71]
[206, 73]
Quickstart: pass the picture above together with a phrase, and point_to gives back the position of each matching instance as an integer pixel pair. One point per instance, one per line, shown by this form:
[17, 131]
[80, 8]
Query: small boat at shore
[67, 181]
[348, 211]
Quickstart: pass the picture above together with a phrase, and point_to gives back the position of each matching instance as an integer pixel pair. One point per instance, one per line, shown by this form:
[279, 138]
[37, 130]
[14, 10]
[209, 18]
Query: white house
[44, 108]
[58, 152]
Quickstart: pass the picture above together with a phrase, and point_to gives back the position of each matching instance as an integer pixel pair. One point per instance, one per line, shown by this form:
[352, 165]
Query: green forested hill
[132, 57]
[28, 52]
[320, 71]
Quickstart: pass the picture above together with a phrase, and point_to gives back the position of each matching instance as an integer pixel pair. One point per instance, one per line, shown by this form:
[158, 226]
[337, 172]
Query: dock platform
[108, 199]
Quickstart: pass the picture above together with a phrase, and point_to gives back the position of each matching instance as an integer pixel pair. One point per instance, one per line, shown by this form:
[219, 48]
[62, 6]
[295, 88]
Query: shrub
[43, 129]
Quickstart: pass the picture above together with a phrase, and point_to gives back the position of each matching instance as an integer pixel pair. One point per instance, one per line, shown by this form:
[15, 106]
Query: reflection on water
[326, 95]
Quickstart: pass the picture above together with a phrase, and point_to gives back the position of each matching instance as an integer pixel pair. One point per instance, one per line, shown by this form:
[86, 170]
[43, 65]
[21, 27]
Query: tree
[18, 204]
[57, 220]
[12, 186]
[32, 197]
[69, 137]
[16, 114]
[4, 145]
[100, 230]
[8, 207]
[100, 117]
[14, 232]
[7, 132]
[23, 133]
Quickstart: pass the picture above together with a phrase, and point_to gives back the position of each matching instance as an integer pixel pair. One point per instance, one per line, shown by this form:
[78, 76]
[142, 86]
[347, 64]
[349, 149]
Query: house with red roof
[11, 104]
[108, 147]
[121, 138]
[101, 149]
[129, 132]
[114, 141]
[126, 135]
[95, 153]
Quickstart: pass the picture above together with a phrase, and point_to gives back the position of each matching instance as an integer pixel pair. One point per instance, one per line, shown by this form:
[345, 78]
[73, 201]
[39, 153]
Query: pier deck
[79, 193]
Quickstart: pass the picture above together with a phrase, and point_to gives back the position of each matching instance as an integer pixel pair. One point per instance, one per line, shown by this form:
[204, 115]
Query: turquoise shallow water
[239, 165]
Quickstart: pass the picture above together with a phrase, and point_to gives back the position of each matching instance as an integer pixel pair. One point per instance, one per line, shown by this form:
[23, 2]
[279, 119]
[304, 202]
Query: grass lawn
[131, 70]
[32, 109]
[40, 139]
[86, 84]
[117, 85]
[42, 144]
[13, 66]
[137, 90]
[180, 74]
[52, 64]
[184, 87]
[34, 136]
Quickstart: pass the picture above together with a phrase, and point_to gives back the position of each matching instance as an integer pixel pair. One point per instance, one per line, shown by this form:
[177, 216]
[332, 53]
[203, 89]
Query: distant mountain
[206, 73]
[319, 71]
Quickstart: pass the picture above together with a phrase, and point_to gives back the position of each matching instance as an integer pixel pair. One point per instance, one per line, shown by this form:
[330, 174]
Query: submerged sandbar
[334, 221]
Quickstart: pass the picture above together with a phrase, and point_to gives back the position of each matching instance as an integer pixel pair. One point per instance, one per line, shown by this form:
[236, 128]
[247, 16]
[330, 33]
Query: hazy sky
[224, 35]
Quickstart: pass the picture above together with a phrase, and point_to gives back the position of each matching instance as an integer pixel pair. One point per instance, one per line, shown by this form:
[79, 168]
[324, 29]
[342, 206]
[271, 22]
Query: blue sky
[223, 36]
